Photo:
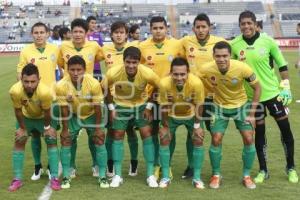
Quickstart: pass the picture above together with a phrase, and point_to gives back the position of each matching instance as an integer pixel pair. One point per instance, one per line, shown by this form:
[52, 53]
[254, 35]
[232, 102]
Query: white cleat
[72, 173]
[37, 176]
[151, 182]
[132, 172]
[95, 171]
[116, 181]
[110, 174]
[164, 182]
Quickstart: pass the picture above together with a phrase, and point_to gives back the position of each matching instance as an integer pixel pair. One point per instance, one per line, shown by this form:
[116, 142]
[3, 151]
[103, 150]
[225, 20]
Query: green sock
[53, 161]
[92, 150]
[73, 153]
[215, 155]
[198, 153]
[155, 128]
[101, 157]
[18, 161]
[65, 157]
[248, 158]
[189, 150]
[108, 144]
[164, 155]
[118, 155]
[148, 148]
[36, 148]
[172, 146]
[133, 146]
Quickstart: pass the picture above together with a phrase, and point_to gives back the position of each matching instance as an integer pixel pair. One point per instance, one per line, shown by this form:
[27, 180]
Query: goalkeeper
[256, 49]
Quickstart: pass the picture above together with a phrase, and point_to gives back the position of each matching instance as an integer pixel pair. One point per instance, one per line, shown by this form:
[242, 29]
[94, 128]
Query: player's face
[78, 35]
[39, 35]
[247, 27]
[201, 29]
[222, 59]
[30, 83]
[131, 66]
[179, 75]
[136, 34]
[76, 73]
[92, 25]
[119, 36]
[158, 31]
[68, 36]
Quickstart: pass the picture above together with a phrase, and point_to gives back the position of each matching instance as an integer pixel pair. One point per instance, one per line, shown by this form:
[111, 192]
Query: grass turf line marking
[46, 193]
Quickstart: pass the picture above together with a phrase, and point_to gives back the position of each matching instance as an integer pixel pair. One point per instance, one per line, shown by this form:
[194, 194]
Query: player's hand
[148, 115]
[199, 133]
[51, 132]
[20, 135]
[251, 119]
[164, 133]
[285, 95]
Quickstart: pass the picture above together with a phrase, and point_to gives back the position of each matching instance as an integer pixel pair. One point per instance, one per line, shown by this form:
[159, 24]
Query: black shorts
[276, 109]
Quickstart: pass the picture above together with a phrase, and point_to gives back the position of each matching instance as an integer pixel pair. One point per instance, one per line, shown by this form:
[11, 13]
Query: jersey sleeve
[152, 78]
[96, 93]
[163, 100]
[182, 48]
[22, 62]
[60, 95]
[16, 100]
[277, 54]
[199, 93]
[99, 54]
[249, 75]
[46, 100]
[60, 59]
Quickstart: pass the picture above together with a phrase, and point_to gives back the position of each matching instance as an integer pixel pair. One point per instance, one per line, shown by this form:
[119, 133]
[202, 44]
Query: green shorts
[129, 117]
[188, 123]
[221, 117]
[75, 124]
[35, 125]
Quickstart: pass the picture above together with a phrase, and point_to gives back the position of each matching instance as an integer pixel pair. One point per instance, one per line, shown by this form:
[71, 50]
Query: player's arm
[46, 102]
[99, 54]
[60, 63]
[153, 80]
[106, 84]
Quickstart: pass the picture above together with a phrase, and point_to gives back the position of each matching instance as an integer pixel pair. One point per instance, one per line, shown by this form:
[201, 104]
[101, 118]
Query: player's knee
[50, 140]
[65, 140]
[118, 135]
[216, 139]
[260, 122]
[248, 139]
[21, 141]
[198, 140]
[98, 139]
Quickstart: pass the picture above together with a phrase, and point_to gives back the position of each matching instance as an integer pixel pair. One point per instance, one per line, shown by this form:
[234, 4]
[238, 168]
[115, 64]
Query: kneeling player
[228, 76]
[32, 103]
[79, 96]
[183, 93]
[129, 81]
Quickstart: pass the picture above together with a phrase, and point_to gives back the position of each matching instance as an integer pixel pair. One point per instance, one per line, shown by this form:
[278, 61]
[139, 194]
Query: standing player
[32, 104]
[158, 52]
[82, 93]
[44, 55]
[90, 51]
[255, 49]
[113, 56]
[134, 34]
[198, 52]
[228, 77]
[183, 93]
[129, 81]
[94, 35]
[65, 33]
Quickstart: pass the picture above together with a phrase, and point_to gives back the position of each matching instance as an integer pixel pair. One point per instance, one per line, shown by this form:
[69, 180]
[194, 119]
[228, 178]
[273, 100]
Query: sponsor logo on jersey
[160, 53]
[43, 58]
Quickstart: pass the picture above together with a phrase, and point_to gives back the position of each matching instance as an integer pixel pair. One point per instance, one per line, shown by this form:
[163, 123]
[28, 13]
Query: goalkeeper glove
[285, 94]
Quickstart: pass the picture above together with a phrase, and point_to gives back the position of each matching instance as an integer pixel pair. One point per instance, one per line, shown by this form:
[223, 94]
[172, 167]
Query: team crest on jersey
[68, 56]
[24, 102]
[170, 58]
[242, 55]
[192, 49]
[90, 57]
[108, 56]
[69, 98]
[149, 57]
[32, 60]
[234, 81]
[52, 57]
[213, 80]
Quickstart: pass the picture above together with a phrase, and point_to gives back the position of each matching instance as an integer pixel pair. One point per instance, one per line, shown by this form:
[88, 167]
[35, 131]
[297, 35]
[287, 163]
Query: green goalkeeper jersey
[257, 56]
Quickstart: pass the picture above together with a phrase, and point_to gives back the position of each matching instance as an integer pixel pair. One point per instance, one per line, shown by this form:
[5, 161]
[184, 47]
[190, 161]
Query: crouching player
[79, 96]
[32, 102]
[181, 98]
[129, 81]
[230, 101]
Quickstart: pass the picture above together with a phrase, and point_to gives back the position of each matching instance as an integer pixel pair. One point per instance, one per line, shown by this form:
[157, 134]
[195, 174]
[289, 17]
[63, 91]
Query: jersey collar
[250, 41]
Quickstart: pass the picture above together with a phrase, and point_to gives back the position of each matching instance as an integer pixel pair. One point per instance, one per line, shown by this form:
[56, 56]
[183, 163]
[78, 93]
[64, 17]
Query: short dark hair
[247, 14]
[260, 24]
[202, 17]
[30, 69]
[90, 18]
[79, 23]
[56, 28]
[222, 45]
[63, 31]
[39, 24]
[158, 19]
[133, 28]
[132, 52]
[118, 24]
[298, 24]
[74, 60]
[179, 61]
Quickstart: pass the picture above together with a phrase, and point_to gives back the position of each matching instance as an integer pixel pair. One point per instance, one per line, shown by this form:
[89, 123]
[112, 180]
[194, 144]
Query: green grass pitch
[85, 186]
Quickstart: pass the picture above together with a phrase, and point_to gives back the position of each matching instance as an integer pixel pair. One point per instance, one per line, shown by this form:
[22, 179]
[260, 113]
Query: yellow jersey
[182, 101]
[130, 93]
[81, 99]
[229, 91]
[32, 107]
